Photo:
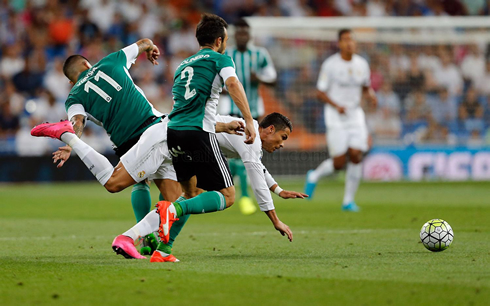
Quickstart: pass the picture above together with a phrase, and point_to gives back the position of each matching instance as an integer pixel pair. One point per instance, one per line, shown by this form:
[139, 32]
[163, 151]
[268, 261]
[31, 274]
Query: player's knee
[356, 157]
[230, 200]
[113, 187]
[338, 164]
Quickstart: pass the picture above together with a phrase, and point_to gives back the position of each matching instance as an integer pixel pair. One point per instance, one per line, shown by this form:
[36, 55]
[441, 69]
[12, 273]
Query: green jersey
[107, 93]
[254, 60]
[198, 81]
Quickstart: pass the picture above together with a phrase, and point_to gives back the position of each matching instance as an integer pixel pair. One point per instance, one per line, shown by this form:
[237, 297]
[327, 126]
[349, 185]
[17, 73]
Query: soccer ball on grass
[436, 235]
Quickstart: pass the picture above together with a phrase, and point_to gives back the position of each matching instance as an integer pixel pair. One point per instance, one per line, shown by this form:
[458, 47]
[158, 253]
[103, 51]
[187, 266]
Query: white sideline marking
[271, 232]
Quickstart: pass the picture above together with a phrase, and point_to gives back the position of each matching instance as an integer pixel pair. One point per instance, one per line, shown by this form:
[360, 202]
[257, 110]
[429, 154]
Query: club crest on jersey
[141, 174]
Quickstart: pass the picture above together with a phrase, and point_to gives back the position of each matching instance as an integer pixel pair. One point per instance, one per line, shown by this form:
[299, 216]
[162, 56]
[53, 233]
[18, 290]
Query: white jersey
[343, 81]
[234, 146]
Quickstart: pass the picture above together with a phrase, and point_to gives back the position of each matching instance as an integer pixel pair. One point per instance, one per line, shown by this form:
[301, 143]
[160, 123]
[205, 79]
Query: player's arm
[78, 117]
[143, 45]
[285, 194]
[367, 90]
[322, 88]
[267, 74]
[235, 127]
[261, 191]
[237, 93]
[151, 50]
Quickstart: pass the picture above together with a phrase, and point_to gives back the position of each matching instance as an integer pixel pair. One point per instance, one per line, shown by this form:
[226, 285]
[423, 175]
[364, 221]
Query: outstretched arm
[152, 52]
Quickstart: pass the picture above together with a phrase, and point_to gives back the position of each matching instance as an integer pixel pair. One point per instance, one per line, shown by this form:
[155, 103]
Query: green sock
[206, 202]
[242, 175]
[161, 198]
[141, 200]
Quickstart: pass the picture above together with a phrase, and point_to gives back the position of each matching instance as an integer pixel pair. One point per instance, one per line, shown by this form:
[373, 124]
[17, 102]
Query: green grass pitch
[56, 250]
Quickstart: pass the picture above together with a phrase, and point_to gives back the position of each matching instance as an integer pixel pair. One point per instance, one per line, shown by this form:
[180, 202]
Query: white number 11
[89, 85]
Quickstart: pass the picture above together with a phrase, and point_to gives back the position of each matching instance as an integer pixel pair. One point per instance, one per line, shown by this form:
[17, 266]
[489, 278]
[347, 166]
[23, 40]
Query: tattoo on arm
[144, 45]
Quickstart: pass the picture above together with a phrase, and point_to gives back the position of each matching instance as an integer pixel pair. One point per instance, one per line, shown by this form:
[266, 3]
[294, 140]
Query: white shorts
[149, 157]
[341, 139]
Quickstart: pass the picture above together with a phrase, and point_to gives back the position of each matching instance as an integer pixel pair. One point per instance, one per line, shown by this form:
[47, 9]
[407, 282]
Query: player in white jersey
[344, 78]
[273, 131]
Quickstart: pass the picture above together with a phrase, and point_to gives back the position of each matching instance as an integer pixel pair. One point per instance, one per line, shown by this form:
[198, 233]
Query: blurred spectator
[447, 75]
[131, 10]
[26, 145]
[416, 76]
[483, 84]
[9, 123]
[471, 111]
[88, 30]
[28, 81]
[473, 65]
[444, 108]
[436, 133]
[101, 12]
[12, 61]
[56, 82]
[48, 109]
[376, 8]
[417, 108]
[13, 98]
[399, 61]
[388, 99]
[183, 39]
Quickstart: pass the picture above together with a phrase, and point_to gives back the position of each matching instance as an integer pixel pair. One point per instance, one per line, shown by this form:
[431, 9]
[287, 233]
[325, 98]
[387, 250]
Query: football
[436, 235]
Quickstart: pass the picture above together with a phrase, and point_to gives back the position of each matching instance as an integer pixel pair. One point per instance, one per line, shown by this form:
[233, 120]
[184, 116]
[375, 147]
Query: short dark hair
[69, 67]
[342, 32]
[279, 121]
[242, 23]
[210, 28]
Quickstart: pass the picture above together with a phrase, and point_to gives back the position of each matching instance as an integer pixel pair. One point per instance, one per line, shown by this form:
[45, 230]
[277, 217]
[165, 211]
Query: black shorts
[197, 153]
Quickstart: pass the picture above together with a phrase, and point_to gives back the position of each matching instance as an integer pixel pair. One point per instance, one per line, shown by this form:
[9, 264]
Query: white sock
[148, 225]
[325, 168]
[352, 180]
[100, 166]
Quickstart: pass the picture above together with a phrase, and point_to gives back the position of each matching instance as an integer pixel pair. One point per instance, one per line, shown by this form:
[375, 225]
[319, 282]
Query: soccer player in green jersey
[106, 94]
[197, 158]
[253, 67]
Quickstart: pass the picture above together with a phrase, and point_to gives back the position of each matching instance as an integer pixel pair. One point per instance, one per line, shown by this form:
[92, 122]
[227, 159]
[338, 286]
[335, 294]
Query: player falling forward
[254, 67]
[273, 131]
[344, 78]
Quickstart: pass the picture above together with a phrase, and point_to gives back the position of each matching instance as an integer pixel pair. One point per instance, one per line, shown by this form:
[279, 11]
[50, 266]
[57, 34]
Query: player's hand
[284, 230]
[153, 54]
[341, 109]
[249, 132]
[254, 78]
[61, 155]
[286, 194]
[373, 99]
[235, 127]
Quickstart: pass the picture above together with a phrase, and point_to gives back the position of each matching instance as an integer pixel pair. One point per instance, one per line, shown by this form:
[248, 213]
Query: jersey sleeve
[74, 107]
[267, 72]
[131, 53]
[226, 67]
[323, 79]
[268, 178]
[255, 172]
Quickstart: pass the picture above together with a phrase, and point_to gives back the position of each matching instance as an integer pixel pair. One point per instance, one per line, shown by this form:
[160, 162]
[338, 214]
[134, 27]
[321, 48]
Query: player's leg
[141, 200]
[100, 166]
[337, 147]
[358, 144]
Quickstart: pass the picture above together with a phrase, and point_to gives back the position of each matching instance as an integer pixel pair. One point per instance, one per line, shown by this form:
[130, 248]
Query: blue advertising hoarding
[417, 163]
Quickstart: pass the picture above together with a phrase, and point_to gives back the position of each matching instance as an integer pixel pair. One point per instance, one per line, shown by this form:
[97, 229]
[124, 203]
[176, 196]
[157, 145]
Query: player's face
[274, 140]
[242, 36]
[222, 48]
[347, 43]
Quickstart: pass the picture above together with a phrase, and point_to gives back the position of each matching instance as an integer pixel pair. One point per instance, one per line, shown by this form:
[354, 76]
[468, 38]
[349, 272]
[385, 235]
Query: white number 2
[89, 85]
[188, 92]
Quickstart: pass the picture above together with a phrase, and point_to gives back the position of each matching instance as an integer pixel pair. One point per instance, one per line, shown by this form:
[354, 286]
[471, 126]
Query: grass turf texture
[56, 249]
